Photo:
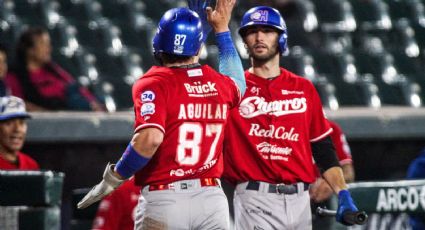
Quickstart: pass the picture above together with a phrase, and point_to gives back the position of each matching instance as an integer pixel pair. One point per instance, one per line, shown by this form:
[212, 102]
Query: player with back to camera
[181, 108]
[274, 134]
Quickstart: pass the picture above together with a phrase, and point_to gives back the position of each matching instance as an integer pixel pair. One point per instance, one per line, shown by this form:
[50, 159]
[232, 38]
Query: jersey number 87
[195, 142]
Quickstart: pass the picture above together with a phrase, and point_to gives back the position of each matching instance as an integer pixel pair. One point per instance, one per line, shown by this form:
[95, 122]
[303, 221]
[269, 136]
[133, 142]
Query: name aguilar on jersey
[203, 111]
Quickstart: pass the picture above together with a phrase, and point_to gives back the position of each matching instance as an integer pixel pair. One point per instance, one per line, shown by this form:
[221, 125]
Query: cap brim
[16, 115]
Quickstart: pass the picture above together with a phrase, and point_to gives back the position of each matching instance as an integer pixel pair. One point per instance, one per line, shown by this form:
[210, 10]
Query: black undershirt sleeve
[324, 154]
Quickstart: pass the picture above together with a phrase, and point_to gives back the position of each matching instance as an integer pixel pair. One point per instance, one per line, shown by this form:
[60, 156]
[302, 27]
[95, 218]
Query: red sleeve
[319, 126]
[342, 148]
[150, 103]
[27, 163]
[13, 84]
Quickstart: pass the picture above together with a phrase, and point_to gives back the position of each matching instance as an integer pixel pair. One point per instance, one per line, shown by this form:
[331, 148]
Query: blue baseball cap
[12, 107]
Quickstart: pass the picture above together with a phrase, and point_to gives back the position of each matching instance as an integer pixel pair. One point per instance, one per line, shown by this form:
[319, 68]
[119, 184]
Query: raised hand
[199, 6]
[219, 18]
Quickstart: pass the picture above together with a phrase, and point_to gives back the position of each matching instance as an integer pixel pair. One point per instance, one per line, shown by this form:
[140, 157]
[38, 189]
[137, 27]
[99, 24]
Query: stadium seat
[303, 18]
[82, 11]
[371, 14]
[352, 88]
[301, 62]
[395, 88]
[11, 24]
[414, 10]
[335, 15]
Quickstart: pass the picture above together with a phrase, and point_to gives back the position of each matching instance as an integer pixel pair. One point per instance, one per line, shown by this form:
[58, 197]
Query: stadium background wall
[383, 143]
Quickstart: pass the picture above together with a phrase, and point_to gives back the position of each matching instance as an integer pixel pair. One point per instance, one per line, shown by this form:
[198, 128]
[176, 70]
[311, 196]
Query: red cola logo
[255, 106]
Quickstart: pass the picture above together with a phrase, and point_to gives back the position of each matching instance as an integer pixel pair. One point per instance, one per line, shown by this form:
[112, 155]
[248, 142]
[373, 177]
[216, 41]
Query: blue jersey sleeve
[230, 63]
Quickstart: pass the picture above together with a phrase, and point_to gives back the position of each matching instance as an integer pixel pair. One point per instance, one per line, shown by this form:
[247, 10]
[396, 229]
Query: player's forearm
[139, 152]
[335, 179]
[229, 61]
[348, 171]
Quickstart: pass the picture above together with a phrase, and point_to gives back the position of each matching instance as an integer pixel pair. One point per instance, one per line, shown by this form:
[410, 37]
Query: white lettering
[382, 201]
[203, 111]
[201, 90]
[265, 147]
[400, 199]
[272, 132]
[255, 106]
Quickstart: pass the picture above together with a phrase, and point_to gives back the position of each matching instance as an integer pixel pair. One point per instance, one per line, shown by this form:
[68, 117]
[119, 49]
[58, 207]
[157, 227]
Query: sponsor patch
[147, 96]
[194, 72]
[260, 15]
[148, 108]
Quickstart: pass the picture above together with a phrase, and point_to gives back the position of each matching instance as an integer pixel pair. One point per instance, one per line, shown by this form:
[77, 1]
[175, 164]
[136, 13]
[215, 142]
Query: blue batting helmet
[266, 16]
[179, 32]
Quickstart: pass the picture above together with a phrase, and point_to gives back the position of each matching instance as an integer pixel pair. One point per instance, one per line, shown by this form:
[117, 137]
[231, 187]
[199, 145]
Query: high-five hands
[219, 18]
[199, 6]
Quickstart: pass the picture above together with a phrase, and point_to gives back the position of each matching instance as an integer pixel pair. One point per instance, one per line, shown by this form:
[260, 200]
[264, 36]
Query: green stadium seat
[395, 88]
[371, 14]
[302, 63]
[414, 10]
[335, 15]
[82, 11]
[352, 88]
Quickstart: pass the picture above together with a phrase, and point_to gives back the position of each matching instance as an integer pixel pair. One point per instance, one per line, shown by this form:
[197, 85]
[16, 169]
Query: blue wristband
[130, 162]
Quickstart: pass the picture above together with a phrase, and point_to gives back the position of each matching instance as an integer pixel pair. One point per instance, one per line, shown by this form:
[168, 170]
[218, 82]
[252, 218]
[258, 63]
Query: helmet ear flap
[283, 43]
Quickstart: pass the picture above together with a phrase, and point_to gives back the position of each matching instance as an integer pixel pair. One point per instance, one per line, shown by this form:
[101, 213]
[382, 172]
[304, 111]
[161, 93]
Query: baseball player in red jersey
[117, 211]
[181, 109]
[320, 190]
[274, 134]
[13, 129]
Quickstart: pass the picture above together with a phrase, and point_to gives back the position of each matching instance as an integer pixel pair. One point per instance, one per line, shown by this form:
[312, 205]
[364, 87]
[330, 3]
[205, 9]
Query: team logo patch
[147, 96]
[148, 108]
[260, 15]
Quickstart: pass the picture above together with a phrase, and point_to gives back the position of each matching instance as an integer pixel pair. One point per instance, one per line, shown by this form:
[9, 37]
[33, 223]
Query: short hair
[26, 41]
[165, 58]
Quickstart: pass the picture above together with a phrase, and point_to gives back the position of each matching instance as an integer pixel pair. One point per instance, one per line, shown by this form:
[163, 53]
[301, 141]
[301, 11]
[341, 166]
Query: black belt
[277, 188]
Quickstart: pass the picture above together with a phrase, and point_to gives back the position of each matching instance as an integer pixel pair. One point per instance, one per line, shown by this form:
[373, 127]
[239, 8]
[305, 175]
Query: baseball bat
[358, 217]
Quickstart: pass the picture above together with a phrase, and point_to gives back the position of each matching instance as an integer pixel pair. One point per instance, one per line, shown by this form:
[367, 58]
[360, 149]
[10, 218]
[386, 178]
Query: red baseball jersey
[117, 210]
[342, 148]
[268, 136]
[191, 107]
[25, 162]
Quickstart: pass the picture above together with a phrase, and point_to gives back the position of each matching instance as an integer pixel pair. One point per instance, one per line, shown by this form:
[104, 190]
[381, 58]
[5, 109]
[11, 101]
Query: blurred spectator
[43, 84]
[13, 129]
[417, 171]
[3, 70]
[117, 210]
[321, 191]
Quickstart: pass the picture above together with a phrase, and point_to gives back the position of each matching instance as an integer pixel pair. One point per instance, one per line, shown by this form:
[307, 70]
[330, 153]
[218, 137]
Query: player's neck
[183, 63]
[8, 156]
[265, 69]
